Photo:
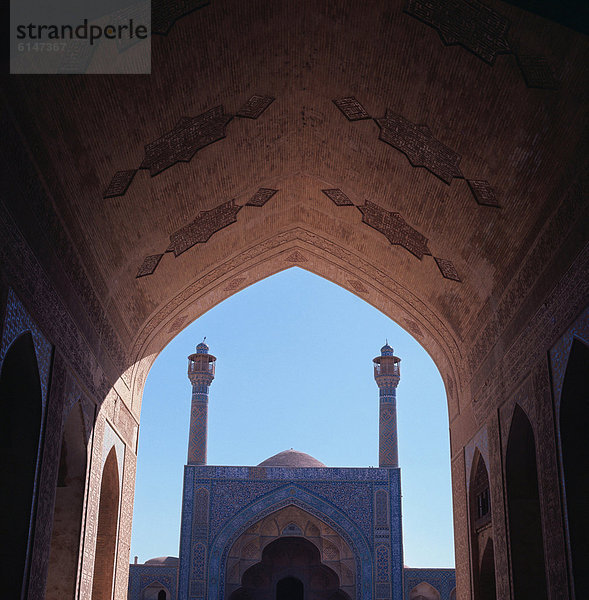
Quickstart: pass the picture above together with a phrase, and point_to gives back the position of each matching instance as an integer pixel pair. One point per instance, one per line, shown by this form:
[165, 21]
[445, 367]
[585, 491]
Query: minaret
[201, 372]
[387, 373]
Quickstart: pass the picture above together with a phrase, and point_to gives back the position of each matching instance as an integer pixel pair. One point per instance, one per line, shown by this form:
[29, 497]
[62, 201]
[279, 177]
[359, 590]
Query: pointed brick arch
[317, 253]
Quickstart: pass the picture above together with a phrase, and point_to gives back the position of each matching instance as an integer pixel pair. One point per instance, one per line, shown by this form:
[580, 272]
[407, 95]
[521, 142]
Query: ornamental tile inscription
[149, 265]
[483, 32]
[255, 106]
[422, 149]
[351, 108]
[447, 269]
[394, 228]
[203, 227]
[483, 193]
[537, 72]
[120, 183]
[261, 197]
[185, 139]
[468, 23]
[338, 197]
[166, 12]
[419, 145]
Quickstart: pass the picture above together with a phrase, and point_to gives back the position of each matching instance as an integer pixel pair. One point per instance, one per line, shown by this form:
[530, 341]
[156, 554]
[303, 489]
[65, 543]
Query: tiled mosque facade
[239, 523]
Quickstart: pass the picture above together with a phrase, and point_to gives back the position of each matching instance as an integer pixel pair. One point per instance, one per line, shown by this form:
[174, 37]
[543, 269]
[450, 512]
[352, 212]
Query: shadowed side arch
[285, 496]
[106, 535]
[574, 424]
[523, 501]
[20, 429]
[480, 510]
[67, 513]
[320, 256]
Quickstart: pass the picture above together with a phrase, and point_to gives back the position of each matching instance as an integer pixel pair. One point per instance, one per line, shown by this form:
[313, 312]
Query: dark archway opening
[487, 590]
[290, 588]
[525, 524]
[67, 514]
[574, 425]
[290, 569]
[20, 428]
[161, 595]
[481, 542]
[106, 537]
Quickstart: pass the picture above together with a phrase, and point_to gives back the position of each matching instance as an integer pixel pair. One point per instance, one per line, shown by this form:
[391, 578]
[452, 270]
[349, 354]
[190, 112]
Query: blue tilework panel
[559, 354]
[381, 509]
[16, 322]
[142, 576]
[444, 580]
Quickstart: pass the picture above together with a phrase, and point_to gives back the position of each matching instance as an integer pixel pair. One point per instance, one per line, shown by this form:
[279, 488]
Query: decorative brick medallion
[203, 227]
[358, 286]
[177, 324]
[166, 12]
[255, 106]
[234, 284]
[418, 144]
[120, 183]
[185, 139]
[351, 108]
[338, 197]
[261, 197]
[295, 257]
[149, 265]
[537, 72]
[483, 193]
[394, 228]
[469, 23]
[447, 269]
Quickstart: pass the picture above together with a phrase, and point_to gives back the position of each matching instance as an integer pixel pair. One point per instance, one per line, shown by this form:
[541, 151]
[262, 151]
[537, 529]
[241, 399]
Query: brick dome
[291, 458]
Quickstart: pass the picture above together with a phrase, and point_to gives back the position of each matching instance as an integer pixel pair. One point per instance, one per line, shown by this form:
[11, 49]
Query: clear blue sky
[294, 370]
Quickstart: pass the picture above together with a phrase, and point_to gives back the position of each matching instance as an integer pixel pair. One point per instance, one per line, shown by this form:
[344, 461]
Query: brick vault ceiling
[455, 136]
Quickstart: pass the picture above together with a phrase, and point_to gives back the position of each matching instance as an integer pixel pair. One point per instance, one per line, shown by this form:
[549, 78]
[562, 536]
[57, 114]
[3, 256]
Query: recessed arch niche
[574, 424]
[248, 549]
[106, 536]
[291, 568]
[20, 428]
[424, 591]
[483, 564]
[526, 541]
[67, 514]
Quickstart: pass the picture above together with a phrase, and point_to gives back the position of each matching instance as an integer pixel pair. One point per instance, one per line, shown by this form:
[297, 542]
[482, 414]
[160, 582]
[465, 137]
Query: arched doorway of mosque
[290, 569]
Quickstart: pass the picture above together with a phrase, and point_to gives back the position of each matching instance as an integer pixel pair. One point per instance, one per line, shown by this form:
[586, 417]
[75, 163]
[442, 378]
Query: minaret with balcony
[387, 373]
[201, 372]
